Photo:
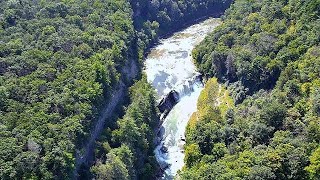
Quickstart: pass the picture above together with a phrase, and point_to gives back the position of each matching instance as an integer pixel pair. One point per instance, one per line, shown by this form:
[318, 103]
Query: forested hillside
[60, 61]
[171, 13]
[132, 157]
[267, 55]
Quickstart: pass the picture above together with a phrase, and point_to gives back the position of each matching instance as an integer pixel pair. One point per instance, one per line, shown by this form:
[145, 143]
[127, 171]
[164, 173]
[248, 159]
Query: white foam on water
[175, 125]
[169, 67]
[170, 63]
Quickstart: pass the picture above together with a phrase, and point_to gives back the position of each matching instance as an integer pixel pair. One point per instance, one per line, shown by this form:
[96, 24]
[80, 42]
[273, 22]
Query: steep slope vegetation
[267, 53]
[132, 154]
[171, 13]
[60, 61]
[257, 41]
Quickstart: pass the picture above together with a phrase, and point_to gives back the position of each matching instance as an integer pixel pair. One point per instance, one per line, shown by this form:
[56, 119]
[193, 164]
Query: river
[169, 66]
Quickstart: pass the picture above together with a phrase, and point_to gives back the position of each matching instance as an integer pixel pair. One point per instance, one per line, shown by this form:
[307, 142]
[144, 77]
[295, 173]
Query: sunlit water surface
[169, 66]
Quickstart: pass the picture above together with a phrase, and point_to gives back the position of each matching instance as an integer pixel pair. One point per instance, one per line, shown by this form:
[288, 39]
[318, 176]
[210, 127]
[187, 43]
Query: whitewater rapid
[169, 66]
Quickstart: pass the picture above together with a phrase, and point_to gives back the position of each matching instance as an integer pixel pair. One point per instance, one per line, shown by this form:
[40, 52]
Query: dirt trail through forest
[130, 71]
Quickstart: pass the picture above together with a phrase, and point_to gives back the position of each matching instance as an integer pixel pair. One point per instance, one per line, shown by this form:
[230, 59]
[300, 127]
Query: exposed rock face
[172, 98]
[167, 103]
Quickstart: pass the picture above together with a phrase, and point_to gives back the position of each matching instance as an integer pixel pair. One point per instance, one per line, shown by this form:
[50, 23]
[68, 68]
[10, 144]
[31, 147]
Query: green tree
[314, 168]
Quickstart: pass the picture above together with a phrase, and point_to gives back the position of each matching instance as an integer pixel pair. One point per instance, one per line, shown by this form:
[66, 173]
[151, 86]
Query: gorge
[131, 89]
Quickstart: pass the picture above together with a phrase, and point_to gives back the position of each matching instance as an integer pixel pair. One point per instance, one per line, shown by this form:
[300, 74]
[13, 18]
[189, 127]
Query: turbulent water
[169, 67]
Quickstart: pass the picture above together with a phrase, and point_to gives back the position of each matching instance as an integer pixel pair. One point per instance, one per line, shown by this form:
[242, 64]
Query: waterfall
[171, 138]
[188, 86]
[174, 96]
[170, 69]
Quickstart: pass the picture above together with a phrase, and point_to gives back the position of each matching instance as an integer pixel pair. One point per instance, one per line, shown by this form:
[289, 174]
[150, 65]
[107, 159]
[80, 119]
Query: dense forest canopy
[133, 139]
[60, 61]
[256, 42]
[170, 12]
[267, 54]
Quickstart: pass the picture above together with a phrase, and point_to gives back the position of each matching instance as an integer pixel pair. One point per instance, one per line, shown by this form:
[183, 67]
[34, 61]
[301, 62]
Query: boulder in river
[164, 149]
[167, 103]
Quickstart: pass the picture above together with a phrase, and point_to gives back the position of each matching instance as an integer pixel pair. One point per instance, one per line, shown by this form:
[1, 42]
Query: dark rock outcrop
[167, 103]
